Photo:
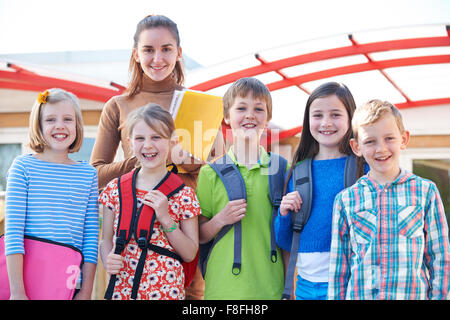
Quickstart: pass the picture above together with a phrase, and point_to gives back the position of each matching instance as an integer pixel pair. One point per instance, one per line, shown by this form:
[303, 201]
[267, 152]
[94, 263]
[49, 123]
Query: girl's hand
[290, 202]
[82, 295]
[21, 296]
[233, 212]
[114, 262]
[158, 201]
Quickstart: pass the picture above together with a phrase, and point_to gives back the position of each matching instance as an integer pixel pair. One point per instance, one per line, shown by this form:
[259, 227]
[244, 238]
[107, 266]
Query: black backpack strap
[120, 245]
[143, 227]
[143, 231]
[277, 171]
[302, 178]
[126, 220]
[165, 252]
[139, 223]
[234, 184]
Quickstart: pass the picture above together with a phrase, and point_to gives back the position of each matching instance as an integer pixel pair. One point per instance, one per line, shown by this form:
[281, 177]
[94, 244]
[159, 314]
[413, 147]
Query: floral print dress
[162, 277]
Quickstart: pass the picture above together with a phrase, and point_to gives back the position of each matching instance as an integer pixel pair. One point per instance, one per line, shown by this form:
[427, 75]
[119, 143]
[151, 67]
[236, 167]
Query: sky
[212, 32]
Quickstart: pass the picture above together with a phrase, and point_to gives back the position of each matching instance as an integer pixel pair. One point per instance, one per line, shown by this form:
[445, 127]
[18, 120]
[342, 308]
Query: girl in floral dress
[150, 131]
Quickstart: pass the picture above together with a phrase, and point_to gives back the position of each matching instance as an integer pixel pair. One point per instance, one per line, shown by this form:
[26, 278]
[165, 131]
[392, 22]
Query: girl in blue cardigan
[325, 138]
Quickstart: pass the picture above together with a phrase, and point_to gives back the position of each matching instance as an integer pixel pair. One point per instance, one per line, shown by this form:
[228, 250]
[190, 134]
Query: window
[8, 152]
[85, 152]
[438, 171]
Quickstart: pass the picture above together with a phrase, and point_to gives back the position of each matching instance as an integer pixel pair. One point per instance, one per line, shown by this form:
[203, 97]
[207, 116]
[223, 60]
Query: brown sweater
[111, 131]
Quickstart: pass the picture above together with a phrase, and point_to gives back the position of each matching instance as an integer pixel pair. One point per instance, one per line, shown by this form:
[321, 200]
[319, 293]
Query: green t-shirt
[259, 278]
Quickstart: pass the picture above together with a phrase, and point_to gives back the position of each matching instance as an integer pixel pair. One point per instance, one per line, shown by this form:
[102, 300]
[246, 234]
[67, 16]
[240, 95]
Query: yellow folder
[197, 117]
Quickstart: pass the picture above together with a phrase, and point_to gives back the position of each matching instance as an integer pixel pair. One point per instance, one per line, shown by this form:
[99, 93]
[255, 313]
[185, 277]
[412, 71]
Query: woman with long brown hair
[156, 71]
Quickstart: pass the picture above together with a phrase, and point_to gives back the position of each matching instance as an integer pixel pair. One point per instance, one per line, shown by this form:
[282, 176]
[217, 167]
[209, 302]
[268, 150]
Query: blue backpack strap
[235, 186]
[277, 171]
[350, 171]
[302, 178]
[232, 179]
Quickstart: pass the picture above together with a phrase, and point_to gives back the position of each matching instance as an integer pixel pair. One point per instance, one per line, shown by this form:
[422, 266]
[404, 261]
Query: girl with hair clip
[50, 196]
[325, 139]
[156, 71]
[151, 137]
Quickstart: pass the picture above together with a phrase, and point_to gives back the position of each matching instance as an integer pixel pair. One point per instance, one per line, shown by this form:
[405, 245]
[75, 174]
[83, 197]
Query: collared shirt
[259, 278]
[389, 242]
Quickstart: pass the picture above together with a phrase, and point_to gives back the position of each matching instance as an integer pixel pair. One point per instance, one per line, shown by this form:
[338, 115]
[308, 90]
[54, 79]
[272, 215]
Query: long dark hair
[308, 147]
[135, 69]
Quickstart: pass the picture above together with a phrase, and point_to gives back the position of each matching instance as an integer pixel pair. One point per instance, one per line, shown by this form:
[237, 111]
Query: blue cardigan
[328, 181]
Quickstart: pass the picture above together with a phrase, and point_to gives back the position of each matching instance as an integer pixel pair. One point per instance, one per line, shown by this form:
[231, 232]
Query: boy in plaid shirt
[390, 235]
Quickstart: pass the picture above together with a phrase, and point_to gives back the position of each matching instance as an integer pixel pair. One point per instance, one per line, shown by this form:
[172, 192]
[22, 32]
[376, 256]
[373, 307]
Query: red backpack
[139, 223]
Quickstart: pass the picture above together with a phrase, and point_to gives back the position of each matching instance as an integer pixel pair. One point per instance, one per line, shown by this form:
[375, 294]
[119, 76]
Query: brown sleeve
[106, 144]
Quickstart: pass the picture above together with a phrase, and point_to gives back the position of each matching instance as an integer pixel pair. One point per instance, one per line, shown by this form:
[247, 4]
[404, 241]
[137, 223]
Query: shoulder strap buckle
[120, 244]
[142, 240]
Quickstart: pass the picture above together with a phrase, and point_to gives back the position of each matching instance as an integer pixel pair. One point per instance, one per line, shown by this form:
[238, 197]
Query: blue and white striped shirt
[52, 201]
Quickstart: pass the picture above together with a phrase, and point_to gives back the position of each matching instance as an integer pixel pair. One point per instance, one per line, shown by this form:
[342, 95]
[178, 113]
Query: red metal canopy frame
[351, 50]
[20, 78]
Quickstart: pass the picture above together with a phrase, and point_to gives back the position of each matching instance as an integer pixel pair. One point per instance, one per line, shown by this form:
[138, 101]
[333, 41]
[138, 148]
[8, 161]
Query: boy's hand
[290, 202]
[233, 212]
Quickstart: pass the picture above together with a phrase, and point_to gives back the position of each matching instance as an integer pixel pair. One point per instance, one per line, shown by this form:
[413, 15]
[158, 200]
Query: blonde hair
[135, 69]
[155, 117]
[37, 141]
[242, 88]
[372, 111]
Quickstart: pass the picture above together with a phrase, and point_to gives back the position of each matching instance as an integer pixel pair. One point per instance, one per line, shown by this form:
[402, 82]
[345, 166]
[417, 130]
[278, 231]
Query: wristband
[172, 228]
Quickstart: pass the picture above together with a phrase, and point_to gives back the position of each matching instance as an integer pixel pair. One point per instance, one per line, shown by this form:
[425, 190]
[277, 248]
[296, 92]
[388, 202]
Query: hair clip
[43, 96]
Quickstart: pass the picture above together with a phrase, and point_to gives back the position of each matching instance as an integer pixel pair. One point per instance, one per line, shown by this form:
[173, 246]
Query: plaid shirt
[389, 242]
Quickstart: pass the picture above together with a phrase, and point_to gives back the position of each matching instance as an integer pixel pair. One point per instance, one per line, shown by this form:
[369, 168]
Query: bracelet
[172, 228]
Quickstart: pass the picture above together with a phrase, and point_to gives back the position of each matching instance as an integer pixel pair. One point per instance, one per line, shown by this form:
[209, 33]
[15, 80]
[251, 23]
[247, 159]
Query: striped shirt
[389, 242]
[52, 201]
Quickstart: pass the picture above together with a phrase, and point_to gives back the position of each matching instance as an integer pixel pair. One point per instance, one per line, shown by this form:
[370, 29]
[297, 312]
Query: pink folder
[51, 269]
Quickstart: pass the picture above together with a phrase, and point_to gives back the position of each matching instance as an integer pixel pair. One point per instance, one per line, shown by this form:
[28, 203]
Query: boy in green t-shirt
[247, 108]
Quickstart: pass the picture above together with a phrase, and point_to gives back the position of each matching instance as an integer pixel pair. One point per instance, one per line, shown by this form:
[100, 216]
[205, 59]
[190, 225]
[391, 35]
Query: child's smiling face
[247, 117]
[328, 121]
[150, 147]
[380, 144]
[58, 125]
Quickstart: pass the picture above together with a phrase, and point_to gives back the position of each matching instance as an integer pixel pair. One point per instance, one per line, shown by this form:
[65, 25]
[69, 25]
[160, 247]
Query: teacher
[156, 71]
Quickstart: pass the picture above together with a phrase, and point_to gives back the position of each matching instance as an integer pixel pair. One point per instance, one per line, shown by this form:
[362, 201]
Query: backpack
[302, 179]
[234, 184]
[139, 223]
